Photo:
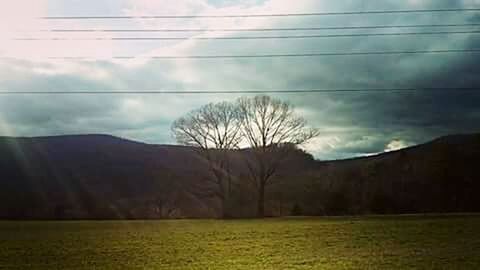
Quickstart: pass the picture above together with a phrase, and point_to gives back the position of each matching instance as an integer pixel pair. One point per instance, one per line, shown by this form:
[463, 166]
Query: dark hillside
[99, 176]
[440, 176]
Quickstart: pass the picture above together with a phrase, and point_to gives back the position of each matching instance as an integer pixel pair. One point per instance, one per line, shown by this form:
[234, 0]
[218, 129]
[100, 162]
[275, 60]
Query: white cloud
[395, 145]
[322, 144]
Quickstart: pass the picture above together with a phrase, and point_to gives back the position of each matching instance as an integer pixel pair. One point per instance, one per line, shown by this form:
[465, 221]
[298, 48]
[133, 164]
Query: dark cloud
[352, 123]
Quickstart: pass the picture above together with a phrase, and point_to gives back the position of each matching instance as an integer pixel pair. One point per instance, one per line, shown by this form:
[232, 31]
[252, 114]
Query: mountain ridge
[449, 138]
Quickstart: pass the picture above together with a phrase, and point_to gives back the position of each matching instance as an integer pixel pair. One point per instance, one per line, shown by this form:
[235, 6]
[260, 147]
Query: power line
[262, 15]
[166, 57]
[200, 92]
[262, 29]
[251, 37]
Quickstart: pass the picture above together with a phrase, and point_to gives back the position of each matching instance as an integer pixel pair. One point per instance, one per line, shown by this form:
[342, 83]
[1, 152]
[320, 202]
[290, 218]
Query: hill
[439, 176]
[101, 176]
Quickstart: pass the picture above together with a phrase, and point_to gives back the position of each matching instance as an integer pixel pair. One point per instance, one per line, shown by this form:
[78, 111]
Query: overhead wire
[250, 37]
[258, 91]
[371, 12]
[262, 29]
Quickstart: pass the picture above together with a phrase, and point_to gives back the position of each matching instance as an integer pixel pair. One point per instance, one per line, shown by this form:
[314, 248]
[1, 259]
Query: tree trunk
[261, 201]
[223, 206]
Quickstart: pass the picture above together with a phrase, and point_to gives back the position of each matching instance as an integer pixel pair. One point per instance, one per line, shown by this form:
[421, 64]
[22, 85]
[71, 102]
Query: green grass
[304, 243]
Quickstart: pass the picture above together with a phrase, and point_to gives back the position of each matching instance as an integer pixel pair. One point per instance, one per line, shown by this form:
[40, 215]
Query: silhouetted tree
[167, 196]
[212, 130]
[270, 127]
[296, 210]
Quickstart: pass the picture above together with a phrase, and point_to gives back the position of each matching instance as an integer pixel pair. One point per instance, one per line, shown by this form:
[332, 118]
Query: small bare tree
[167, 197]
[212, 130]
[270, 127]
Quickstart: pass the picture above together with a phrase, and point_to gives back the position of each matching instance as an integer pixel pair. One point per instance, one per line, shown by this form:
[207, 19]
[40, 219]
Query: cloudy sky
[352, 124]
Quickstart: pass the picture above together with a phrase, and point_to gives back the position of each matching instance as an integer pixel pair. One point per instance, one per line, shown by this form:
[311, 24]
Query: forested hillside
[99, 176]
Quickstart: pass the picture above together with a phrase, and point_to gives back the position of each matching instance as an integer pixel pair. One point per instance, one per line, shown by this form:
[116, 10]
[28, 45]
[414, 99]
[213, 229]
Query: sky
[351, 124]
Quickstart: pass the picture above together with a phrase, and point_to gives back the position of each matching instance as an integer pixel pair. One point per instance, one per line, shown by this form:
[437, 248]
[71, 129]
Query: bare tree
[270, 127]
[212, 130]
[167, 198]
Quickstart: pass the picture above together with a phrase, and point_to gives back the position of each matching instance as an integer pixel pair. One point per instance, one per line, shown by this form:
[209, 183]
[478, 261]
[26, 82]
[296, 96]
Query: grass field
[301, 243]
